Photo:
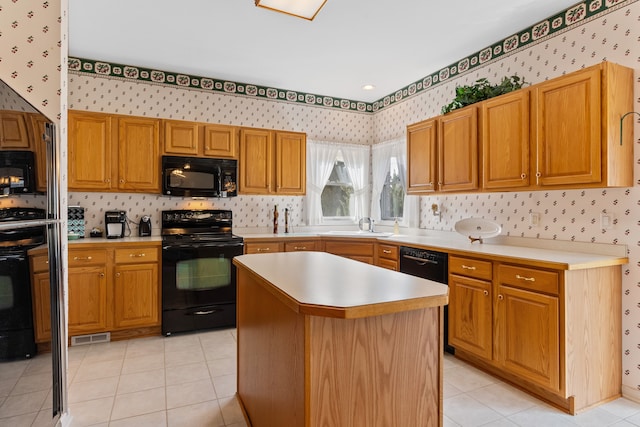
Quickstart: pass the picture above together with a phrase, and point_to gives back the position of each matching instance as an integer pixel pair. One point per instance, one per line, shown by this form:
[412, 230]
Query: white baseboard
[631, 393]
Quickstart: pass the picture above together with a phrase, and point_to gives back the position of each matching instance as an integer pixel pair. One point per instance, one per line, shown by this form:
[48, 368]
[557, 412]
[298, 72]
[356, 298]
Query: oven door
[16, 319]
[198, 285]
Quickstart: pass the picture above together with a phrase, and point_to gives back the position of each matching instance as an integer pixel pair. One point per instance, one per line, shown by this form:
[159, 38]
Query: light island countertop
[323, 284]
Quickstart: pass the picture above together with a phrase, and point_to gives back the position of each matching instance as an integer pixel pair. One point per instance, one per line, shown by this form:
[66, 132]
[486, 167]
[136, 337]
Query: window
[337, 194]
[392, 195]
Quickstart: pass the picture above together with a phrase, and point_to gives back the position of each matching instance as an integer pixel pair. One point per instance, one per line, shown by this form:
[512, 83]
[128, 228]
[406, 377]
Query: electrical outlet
[534, 219]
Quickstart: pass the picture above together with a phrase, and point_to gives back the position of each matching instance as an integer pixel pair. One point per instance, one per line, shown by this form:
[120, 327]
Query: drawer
[87, 257]
[262, 247]
[349, 249]
[136, 255]
[528, 278]
[307, 245]
[470, 267]
[388, 252]
[40, 263]
[388, 264]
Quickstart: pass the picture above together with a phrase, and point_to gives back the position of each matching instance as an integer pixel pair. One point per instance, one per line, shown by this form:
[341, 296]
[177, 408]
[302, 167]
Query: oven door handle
[197, 245]
[421, 261]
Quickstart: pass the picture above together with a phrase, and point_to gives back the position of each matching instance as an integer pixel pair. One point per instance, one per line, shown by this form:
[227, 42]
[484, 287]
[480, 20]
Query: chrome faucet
[371, 228]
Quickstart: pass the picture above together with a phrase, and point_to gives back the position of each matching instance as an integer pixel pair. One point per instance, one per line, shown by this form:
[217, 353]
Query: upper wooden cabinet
[37, 124]
[199, 139]
[181, 137]
[113, 153]
[458, 150]
[443, 153]
[504, 123]
[563, 133]
[576, 128]
[13, 131]
[422, 146]
[272, 162]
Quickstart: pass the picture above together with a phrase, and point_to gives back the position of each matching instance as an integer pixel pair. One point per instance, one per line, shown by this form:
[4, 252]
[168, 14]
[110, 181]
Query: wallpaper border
[573, 16]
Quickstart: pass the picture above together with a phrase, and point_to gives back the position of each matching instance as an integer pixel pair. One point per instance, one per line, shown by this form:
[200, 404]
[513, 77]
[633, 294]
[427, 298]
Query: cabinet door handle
[486, 293]
[117, 274]
[528, 279]
[264, 249]
[107, 180]
[468, 267]
[523, 176]
[299, 248]
[81, 258]
[500, 297]
[386, 251]
[138, 255]
[538, 174]
[101, 274]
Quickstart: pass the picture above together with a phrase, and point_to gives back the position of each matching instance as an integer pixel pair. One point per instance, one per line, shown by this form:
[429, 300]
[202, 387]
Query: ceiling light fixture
[368, 87]
[305, 9]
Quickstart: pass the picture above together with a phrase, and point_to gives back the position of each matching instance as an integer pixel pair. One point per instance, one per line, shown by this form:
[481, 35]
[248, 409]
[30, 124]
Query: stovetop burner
[208, 225]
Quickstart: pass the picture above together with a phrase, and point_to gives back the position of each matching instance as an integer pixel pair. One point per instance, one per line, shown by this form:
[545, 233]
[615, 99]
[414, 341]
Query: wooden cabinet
[263, 247]
[576, 128]
[199, 139]
[562, 133]
[37, 125]
[138, 154]
[272, 162]
[301, 245]
[443, 153]
[41, 297]
[113, 153]
[387, 256]
[470, 305]
[504, 123]
[13, 131]
[362, 250]
[458, 150]
[136, 298]
[111, 289]
[87, 290]
[181, 137]
[523, 310]
[422, 152]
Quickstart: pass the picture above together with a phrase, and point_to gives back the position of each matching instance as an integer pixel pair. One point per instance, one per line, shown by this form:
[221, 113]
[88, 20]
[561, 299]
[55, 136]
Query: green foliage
[481, 90]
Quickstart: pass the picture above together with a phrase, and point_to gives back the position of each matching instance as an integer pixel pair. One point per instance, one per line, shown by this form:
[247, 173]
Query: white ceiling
[387, 43]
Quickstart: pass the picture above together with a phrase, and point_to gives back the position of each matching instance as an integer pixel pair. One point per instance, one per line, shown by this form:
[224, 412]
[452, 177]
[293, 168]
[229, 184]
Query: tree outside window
[392, 196]
[337, 200]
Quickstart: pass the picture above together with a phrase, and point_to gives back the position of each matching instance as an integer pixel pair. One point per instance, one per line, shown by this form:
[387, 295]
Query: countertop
[560, 255]
[323, 284]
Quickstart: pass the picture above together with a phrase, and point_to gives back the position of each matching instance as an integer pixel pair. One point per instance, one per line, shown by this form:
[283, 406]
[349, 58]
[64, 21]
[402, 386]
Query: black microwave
[17, 174]
[199, 177]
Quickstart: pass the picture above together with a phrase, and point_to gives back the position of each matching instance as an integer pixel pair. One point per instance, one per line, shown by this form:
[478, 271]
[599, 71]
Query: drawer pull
[528, 279]
[82, 258]
[264, 249]
[467, 267]
[386, 251]
[138, 255]
[299, 248]
[486, 293]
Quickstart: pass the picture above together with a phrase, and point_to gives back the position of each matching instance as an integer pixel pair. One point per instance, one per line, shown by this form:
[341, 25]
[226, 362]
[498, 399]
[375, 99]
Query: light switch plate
[534, 219]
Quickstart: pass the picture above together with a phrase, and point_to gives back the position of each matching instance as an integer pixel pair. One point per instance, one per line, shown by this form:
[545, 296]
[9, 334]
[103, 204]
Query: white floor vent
[91, 339]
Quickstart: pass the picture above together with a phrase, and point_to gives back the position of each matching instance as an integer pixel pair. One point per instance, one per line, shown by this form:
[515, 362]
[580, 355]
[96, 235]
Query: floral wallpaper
[587, 33]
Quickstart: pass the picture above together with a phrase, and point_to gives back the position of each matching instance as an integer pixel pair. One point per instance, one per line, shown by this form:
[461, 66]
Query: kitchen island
[328, 341]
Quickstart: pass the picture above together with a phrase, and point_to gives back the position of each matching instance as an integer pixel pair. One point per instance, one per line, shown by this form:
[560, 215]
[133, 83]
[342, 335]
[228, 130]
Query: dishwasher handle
[421, 261]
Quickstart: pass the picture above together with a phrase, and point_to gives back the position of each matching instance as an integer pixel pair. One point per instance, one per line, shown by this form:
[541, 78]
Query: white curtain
[381, 153]
[321, 157]
[356, 161]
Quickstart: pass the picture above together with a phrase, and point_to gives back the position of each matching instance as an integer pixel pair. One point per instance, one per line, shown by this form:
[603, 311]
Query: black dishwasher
[430, 265]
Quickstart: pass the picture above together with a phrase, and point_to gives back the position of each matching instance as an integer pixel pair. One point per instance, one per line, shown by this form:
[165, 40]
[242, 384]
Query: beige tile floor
[190, 380]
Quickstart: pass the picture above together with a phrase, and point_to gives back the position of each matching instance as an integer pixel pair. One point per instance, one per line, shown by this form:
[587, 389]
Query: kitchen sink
[358, 233]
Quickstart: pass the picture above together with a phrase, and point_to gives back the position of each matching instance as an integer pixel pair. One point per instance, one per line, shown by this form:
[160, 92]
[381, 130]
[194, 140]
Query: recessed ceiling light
[368, 87]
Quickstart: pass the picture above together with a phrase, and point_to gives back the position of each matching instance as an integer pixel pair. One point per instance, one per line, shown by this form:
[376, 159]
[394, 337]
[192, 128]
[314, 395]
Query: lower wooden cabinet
[263, 247]
[555, 333]
[360, 251]
[301, 245]
[114, 289]
[387, 256]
